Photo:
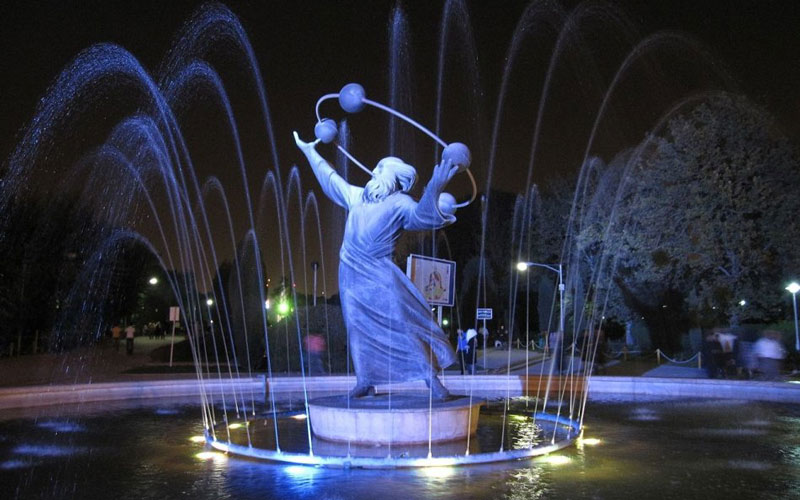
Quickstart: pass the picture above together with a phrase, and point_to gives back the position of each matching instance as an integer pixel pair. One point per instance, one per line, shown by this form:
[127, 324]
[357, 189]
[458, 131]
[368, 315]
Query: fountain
[239, 240]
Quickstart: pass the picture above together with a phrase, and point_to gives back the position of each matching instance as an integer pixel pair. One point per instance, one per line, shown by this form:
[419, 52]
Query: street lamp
[210, 302]
[153, 281]
[793, 288]
[558, 269]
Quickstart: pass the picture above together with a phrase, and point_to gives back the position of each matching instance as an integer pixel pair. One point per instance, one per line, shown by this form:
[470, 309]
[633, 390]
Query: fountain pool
[145, 450]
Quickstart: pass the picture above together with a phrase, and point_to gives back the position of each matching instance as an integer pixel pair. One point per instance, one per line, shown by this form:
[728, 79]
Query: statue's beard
[378, 188]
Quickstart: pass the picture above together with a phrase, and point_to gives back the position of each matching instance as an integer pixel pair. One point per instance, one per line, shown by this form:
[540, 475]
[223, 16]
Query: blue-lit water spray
[143, 180]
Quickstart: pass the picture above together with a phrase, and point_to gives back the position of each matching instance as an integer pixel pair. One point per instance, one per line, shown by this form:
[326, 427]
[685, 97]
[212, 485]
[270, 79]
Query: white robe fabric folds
[393, 336]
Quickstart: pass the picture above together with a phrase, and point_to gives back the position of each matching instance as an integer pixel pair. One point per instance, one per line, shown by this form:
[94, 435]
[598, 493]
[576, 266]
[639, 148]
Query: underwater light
[211, 455]
[301, 471]
[589, 441]
[438, 472]
[556, 459]
[283, 307]
[198, 439]
[300, 416]
[235, 426]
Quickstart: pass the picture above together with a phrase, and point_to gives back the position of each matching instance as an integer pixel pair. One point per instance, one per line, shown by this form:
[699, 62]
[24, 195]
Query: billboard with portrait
[435, 278]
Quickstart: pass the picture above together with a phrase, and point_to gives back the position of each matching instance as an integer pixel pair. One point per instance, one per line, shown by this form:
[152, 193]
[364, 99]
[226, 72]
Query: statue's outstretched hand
[442, 173]
[305, 147]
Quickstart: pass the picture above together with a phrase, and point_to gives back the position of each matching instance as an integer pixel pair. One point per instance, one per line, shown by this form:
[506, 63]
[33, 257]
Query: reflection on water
[690, 449]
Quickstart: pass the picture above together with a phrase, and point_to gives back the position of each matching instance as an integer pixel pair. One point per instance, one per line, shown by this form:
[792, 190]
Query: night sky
[309, 48]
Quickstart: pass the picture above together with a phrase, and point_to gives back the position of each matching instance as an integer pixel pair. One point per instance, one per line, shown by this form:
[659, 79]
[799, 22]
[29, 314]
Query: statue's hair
[379, 188]
[406, 174]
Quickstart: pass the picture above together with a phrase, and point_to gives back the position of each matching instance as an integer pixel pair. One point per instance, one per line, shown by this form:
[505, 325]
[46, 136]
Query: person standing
[130, 332]
[471, 351]
[770, 354]
[315, 346]
[116, 334]
[461, 347]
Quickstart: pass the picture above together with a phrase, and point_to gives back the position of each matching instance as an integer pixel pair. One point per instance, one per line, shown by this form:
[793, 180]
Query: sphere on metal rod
[351, 98]
[459, 154]
[326, 130]
[447, 204]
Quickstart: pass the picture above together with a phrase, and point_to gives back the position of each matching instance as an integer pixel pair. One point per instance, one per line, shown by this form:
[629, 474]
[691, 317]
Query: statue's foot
[359, 391]
[438, 390]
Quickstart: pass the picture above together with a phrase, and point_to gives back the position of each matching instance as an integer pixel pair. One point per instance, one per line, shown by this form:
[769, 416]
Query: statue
[393, 336]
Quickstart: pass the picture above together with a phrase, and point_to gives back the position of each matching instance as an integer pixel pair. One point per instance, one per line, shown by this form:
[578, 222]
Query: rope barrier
[659, 354]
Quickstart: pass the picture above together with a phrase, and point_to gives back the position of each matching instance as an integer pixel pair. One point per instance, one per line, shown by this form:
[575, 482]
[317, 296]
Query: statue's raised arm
[428, 213]
[333, 185]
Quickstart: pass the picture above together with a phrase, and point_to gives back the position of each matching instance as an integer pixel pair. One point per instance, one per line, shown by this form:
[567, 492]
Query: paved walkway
[96, 363]
[673, 371]
[102, 363]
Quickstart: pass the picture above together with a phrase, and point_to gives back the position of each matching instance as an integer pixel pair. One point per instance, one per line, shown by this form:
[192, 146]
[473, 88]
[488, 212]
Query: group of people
[130, 334]
[725, 355]
[154, 330]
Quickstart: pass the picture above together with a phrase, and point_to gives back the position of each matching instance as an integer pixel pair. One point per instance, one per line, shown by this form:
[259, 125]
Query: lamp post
[793, 288]
[558, 269]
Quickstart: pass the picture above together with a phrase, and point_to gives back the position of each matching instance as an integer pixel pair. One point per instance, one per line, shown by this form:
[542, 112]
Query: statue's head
[391, 174]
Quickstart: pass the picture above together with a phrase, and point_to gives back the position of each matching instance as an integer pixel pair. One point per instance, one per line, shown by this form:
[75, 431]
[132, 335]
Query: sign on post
[174, 314]
[484, 313]
[435, 278]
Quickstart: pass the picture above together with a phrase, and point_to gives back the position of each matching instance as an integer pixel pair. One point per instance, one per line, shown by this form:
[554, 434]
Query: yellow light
[300, 416]
[556, 459]
[210, 302]
[235, 426]
[522, 266]
[438, 472]
[153, 281]
[198, 439]
[211, 455]
[590, 441]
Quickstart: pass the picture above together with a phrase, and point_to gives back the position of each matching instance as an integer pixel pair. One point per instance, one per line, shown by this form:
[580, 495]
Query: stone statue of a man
[393, 336]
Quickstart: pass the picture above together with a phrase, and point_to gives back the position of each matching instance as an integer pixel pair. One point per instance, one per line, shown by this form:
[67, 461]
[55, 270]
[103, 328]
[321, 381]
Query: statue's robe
[393, 336]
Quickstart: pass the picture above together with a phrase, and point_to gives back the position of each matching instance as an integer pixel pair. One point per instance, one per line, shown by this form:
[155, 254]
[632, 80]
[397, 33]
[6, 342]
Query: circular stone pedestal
[401, 419]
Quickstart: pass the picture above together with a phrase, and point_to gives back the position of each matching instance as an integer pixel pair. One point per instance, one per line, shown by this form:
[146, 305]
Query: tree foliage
[65, 274]
[680, 229]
